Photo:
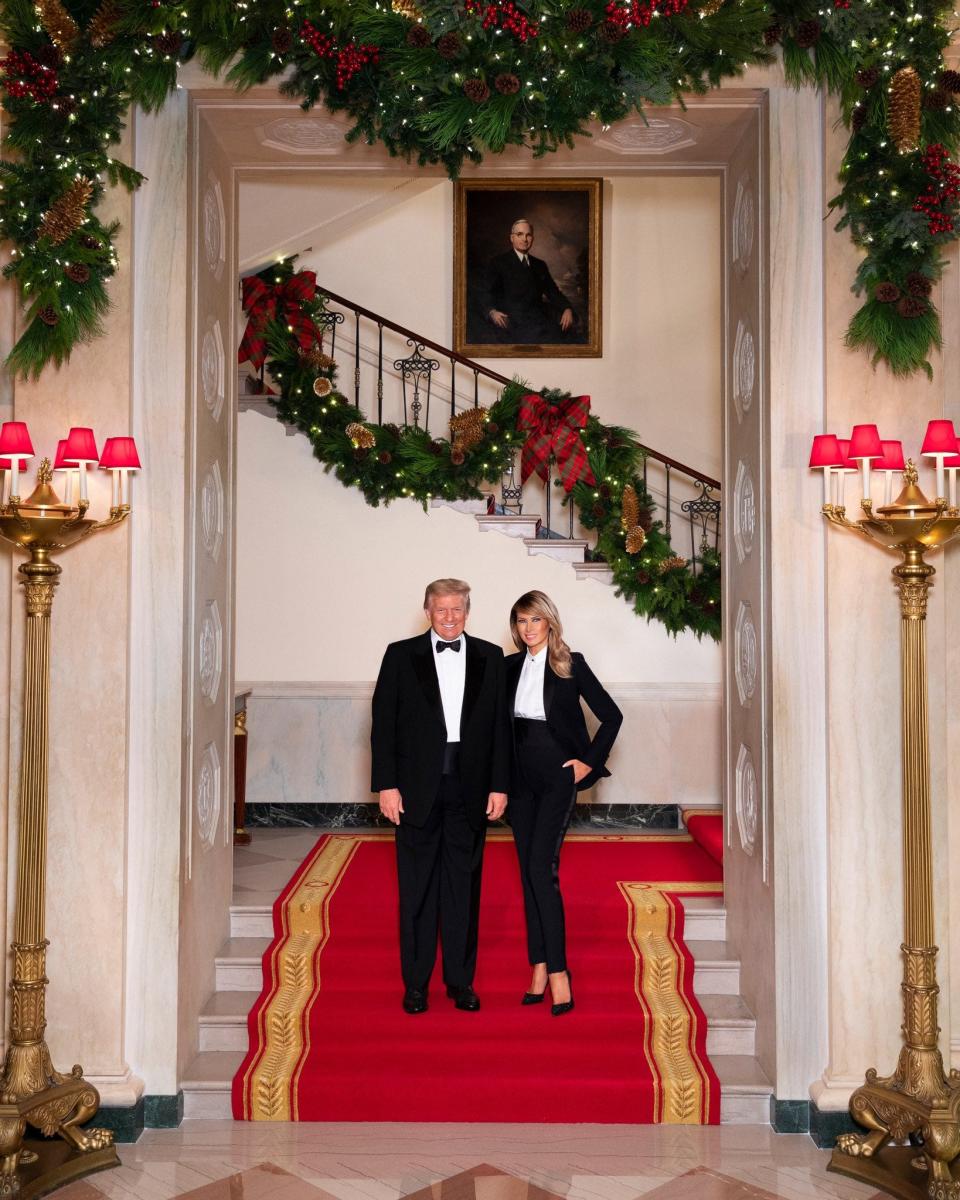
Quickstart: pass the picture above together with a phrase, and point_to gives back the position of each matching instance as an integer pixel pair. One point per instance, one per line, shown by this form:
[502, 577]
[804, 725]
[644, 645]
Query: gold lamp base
[897, 1170]
[58, 1164]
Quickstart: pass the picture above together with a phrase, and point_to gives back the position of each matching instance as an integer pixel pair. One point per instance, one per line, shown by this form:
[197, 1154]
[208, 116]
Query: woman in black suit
[554, 758]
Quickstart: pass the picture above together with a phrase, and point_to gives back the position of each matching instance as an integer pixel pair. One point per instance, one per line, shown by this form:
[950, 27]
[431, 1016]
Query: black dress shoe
[533, 997]
[464, 998]
[415, 1000]
[557, 1010]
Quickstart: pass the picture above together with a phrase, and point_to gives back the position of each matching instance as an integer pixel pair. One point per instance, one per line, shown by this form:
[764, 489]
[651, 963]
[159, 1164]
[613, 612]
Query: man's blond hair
[447, 587]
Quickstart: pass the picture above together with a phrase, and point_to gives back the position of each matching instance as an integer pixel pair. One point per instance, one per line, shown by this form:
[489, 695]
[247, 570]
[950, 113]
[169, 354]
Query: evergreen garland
[391, 462]
[441, 81]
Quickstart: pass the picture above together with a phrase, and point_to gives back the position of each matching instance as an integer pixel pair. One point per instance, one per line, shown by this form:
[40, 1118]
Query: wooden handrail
[480, 369]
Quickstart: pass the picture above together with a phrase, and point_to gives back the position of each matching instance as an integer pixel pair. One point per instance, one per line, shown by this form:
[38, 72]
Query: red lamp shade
[941, 439]
[6, 464]
[81, 446]
[892, 457]
[825, 451]
[61, 462]
[15, 440]
[120, 453]
[865, 442]
[848, 463]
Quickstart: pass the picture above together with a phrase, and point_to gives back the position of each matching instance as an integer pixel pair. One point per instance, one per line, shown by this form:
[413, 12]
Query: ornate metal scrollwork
[418, 369]
[703, 510]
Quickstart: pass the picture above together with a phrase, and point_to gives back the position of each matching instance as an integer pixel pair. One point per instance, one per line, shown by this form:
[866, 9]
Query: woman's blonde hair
[539, 604]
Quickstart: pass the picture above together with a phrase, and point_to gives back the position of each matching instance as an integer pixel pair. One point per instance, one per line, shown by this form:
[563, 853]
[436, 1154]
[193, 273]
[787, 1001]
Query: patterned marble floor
[219, 1160]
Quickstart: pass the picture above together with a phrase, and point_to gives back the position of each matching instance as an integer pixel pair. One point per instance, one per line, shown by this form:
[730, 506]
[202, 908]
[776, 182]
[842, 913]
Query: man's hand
[580, 769]
[391, 804]
[502, 319]
[566, 319]
[496, 803]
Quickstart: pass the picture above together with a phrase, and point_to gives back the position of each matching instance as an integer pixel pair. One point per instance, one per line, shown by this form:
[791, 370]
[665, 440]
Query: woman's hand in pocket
[580, 769]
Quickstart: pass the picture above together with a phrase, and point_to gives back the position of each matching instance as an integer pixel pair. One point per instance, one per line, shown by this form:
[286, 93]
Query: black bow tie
[441, 646]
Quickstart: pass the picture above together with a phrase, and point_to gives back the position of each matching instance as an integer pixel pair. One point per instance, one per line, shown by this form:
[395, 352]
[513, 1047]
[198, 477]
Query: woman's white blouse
[529, 698]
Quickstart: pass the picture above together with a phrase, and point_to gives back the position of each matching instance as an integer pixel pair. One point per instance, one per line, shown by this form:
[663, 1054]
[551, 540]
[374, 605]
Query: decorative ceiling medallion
[747, 800]
[211, 511]
[745, 653]
[207, 798]
[659, 135]
[214, 227]
[302, 135]
[744, 511]
[212, 359]
[744, 370]
[744, 226]
[210, 658]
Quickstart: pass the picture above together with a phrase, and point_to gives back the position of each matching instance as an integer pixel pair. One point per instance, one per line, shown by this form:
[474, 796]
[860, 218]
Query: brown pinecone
[579, 20]
[450, 45]
[65, 105]
[645, 518]
[911, 307]
[950, 81]
[858, 120]
[418, 37]
[281, 40]
[78, 272]
[919, 285]
[507, 84]
[90, 243]
[903, 110]
[168, 43]
[360, 453]
[612, 31]
[772, 35]
[457, 457]
[49, 56]
[599, 510]
[67, 213]
[807, 34]
[103, 24]
[59, 26]
[886, 292]
[49, 315]
[936, 100]
[643, 577]
[867, 76]
[476, 90]
[604, 490]
[436, 448]
[384, 457]
[492, 427]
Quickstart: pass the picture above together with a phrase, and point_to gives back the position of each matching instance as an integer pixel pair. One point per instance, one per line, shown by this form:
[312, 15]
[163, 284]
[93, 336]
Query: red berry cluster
[25, 76]
[938, 201]
[504, 14]
[640, 12]
[350, 59]
[841, 3]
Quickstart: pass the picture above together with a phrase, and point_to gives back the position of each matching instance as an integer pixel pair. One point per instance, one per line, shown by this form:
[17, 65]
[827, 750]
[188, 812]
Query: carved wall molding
[747, 800]
[210, 652]
[745, 653]
[744, 369]
[208, 800]
[212, 511]
[213, 226]
[744, 511]
[212, 369]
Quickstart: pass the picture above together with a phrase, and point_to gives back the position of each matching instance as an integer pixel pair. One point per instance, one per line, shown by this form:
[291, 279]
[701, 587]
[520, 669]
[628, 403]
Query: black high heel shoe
[533, 997]
[557, 1010]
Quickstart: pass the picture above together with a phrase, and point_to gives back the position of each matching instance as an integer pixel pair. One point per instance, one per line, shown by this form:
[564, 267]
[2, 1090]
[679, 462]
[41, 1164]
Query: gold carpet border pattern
[270, 1084]
[681, 1082]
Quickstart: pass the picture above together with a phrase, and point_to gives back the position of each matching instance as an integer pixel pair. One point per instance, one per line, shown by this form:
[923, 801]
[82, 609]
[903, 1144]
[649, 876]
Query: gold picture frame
[504, 307]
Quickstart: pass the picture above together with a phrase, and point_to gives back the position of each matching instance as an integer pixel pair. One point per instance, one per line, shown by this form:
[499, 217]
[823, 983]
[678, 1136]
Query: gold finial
[910, 472]
[45, 474]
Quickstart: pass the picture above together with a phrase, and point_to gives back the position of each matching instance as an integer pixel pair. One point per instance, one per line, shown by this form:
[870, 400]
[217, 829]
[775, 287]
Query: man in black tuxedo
[441, 763]
[519, 296]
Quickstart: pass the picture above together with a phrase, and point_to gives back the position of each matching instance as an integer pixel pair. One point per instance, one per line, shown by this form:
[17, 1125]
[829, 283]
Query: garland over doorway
[441, 81]
[600, 466]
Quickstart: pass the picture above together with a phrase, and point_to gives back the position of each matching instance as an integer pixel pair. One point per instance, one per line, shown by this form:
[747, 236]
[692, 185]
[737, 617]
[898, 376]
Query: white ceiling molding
[658, 135]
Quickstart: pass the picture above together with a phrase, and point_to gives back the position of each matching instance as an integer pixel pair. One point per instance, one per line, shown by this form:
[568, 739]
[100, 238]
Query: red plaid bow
[555, 429]
[267, 302]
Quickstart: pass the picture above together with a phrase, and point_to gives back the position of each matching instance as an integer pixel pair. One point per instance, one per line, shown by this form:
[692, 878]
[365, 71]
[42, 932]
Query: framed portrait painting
[527, 255]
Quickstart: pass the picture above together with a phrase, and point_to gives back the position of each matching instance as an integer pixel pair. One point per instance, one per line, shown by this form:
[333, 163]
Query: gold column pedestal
[32, 1092]
[918, 1103]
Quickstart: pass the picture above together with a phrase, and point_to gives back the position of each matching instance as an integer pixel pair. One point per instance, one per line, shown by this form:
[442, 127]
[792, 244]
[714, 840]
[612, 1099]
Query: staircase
[731, 1028]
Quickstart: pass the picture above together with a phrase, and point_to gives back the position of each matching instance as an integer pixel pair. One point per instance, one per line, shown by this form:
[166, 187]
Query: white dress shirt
[451, 668]
[529, 698]
[524, 258]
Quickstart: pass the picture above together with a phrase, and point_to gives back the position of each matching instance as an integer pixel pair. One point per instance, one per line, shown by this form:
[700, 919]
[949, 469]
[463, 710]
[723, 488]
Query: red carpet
[706, 829]
[330, 1042]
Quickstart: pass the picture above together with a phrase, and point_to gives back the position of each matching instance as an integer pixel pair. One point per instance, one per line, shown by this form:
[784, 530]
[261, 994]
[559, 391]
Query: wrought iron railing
[396, 375]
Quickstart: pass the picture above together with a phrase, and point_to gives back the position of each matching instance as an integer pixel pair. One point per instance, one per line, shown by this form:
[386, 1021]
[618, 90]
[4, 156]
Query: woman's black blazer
[561, 703]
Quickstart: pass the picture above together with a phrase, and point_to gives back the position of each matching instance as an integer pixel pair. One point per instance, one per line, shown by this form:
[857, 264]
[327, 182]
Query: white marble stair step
[731, 1027]
[223, 1022]
[600, 571]
[716, 969]
[238, 965]
[509, 523]
[206, 1085]
[251, 921]
[705, 918]
[568, 550]
[476, 507]
[745, 1090]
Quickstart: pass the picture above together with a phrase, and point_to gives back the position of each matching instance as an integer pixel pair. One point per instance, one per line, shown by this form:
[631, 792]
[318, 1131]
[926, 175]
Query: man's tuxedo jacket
[528, 295]
[409, 734]
[565, 720]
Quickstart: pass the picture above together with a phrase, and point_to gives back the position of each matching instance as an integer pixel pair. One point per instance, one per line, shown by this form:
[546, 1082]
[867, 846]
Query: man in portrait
[518, 298]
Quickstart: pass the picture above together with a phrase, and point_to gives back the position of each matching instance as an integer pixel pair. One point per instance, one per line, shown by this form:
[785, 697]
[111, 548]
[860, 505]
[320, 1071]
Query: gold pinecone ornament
[903, 109]
[59, 26]
[630, 520]
[361, 436]
[466, 428]
[103, 24]
[68, 213]
[406, 8]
